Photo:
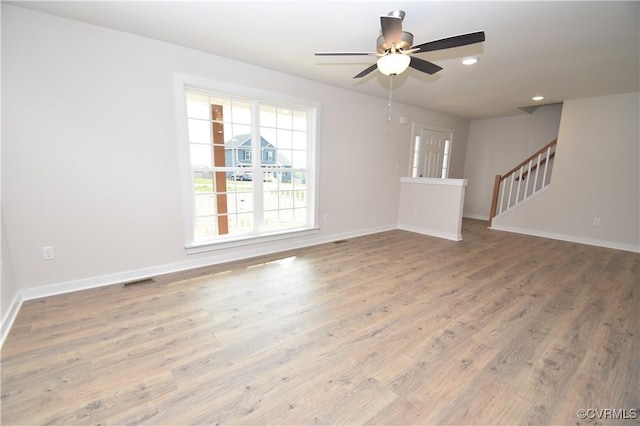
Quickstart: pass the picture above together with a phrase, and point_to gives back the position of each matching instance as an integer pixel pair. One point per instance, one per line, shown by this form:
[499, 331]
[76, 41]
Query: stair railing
[516, 185]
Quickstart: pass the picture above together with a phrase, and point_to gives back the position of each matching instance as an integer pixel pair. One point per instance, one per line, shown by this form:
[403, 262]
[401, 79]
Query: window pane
[270, 200]
[284, 158]
[244, 202]
[300, 199]
[205, 204]
[231, 203]
[299, 140]
[197, 106]
[240, 202]
[299, 120]
[299, 159]
[285, 217]
[199, 131]
[280, 219]
[240, 112]
[244, 222]
[270, 219]
[300, 178]
[284, 139]
[300, 216]
[205, 227]
[267, 116]
[285, 199]
[232, 220]
[284, 119]
[201, 155]
[202, 181]
[227, 131]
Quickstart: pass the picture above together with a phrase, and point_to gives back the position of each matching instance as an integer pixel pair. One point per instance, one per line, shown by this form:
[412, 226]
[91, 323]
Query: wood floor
[392, 328]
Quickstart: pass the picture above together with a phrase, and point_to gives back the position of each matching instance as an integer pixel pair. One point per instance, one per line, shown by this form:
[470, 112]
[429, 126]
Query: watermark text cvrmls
[608, 413]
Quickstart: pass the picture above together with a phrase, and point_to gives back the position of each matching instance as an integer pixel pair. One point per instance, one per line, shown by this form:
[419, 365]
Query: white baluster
[518, 191]
[513, 176]
[546, 164]
[526, 184]
[535, 181]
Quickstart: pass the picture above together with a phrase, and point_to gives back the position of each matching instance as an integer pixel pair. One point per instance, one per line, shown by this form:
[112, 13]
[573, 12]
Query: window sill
[202, 247]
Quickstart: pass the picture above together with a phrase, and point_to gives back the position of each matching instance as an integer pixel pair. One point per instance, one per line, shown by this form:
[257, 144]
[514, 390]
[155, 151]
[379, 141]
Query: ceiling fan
[395, 48]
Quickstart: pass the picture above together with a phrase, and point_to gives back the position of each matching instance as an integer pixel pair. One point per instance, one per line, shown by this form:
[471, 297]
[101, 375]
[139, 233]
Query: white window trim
[181, 81]
[416, 129]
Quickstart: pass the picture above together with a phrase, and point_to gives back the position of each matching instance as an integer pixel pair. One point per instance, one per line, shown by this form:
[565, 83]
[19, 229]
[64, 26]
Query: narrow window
[430, 152]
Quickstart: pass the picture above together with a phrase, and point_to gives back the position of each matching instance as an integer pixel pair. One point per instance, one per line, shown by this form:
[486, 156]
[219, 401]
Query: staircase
[523, 181]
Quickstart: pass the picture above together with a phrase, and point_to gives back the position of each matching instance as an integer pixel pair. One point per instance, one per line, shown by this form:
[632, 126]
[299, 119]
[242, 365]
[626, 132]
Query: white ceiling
[561, 50]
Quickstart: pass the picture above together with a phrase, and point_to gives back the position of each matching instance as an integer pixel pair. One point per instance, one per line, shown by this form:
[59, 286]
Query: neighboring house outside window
[232, 196]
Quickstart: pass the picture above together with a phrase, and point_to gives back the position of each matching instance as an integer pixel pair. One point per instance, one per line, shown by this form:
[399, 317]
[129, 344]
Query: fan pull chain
[390, 94]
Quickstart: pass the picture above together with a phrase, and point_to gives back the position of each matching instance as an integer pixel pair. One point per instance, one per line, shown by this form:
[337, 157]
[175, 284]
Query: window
[251, 166]
[430, 152]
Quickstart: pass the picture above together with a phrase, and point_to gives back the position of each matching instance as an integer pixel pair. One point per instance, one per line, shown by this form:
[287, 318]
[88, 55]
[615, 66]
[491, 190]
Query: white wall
[595, 175]
[417, 211]
[89, 153]
[496, 145]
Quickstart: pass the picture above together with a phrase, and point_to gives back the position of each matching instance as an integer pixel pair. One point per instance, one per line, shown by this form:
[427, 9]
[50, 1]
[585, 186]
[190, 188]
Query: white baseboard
[121, 277]
[104, 280]
[569, 238]
[476, 216]
[132, 275]
[10, 317]
[432, 232]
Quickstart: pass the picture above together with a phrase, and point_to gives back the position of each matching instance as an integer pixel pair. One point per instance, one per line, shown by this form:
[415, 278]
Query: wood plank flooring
[392, 328]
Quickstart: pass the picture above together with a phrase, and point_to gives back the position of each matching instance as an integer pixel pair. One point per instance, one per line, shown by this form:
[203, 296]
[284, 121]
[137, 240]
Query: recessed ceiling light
[469, 61]
[537, 98]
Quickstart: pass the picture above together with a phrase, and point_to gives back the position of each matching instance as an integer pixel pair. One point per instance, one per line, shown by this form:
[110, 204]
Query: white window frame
[417, 147]
[183, 82]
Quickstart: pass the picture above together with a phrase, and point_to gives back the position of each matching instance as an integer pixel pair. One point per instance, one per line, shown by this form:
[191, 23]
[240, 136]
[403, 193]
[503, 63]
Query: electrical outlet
[596, 221]
[325, 217]
[47, 253]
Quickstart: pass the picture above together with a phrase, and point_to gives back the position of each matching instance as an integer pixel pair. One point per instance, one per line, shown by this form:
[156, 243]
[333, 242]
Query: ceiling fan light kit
[393, 64]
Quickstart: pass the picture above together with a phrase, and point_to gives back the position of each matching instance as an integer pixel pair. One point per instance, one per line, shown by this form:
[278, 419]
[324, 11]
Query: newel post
[494, 198]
